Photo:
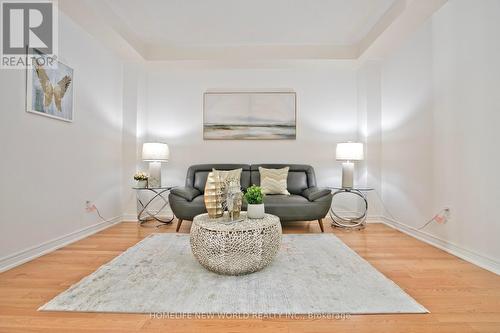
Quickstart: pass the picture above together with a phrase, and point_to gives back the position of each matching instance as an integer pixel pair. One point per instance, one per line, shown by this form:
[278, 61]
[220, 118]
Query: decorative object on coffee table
[221, 186]
[233, 198]
[255, 202]
[235, 248]
[350, 222]
[142, 179]
[214, 195]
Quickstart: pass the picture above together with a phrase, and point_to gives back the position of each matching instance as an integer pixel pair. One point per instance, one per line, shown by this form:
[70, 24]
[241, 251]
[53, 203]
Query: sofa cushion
[296, 207]
[297, 181]
[228, 174]
[284, 200]
[197, 174]
[315, 193]
[219, 177]
[200, 180]
[300, 176]
[187, 210]
[274, 181]
[188, 193]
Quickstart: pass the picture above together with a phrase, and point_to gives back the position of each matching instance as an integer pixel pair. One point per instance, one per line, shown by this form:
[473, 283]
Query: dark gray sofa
[306, 201]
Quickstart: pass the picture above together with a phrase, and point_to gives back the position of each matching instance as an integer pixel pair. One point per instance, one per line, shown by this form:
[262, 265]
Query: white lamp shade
[154, 151]
[350, 151]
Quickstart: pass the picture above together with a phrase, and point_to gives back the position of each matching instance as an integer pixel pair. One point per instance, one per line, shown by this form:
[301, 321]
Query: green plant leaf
[254, 195]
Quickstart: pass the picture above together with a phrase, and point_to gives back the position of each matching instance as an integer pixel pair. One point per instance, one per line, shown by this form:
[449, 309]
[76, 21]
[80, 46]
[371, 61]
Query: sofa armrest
[188, 193]
[314, 193]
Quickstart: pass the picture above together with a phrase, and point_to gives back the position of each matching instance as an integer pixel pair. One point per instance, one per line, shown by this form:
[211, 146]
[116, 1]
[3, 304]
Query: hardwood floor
[460, 296]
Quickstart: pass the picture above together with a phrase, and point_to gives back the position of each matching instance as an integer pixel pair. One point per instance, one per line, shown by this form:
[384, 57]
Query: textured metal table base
[159, 222]
[236, 249]
[357, 222]
[146, 215]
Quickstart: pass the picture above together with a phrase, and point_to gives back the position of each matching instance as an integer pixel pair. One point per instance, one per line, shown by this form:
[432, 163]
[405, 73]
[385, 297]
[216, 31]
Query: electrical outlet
[445, 216]
[89, 206]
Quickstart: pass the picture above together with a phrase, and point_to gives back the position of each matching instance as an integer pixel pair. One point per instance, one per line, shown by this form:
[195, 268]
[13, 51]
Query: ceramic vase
[214, 196]
[255, 211]
[142, 183]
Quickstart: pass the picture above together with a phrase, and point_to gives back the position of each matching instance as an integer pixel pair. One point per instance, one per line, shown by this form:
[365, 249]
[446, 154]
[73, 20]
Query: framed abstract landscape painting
[49, 90]
[243, 115]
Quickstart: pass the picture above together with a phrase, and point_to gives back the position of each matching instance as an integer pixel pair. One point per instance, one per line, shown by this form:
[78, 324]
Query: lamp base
[154, 179]
[347, 174]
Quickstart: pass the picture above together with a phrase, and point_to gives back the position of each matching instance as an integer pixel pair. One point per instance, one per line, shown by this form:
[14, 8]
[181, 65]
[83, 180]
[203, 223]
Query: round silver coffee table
[235, 248]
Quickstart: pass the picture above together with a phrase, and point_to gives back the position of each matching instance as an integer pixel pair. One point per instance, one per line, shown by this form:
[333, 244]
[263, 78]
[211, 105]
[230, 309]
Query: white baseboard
[129, 218]
[374, 219]
[369, 218]
[23, 256]
[465, 254]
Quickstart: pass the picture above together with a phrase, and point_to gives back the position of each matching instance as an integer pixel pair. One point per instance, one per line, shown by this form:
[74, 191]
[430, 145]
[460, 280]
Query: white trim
[129, 218]
[250, 52]
[400, 20]
[370, 218]
[31, 253]
[374, 219]
[399, 24]
[465, 254]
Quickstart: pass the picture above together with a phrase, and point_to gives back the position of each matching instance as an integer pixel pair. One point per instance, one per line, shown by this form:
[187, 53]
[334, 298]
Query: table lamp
[347, 152]
[155, 153]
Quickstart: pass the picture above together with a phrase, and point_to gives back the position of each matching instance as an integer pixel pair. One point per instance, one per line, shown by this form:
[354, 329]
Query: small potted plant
[255, 206]
[142, 179]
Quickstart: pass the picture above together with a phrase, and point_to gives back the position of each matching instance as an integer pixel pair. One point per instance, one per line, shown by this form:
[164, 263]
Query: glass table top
[361, 189]
[154, 188]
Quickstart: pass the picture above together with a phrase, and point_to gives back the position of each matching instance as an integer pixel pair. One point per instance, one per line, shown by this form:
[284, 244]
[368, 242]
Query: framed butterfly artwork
[49, 88]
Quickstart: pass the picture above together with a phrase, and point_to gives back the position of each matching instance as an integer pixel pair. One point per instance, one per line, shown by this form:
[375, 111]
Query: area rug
[312, 274]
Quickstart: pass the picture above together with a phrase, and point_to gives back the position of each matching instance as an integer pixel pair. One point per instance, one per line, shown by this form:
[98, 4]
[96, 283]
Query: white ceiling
[249, 29]
[175, 23]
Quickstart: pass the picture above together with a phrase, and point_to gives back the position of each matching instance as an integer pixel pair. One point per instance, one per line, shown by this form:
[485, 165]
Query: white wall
[134, 93]
[326, 113]
[428, 115]
[370, 133]
[49, 167]
[440, 118]
[407, 131]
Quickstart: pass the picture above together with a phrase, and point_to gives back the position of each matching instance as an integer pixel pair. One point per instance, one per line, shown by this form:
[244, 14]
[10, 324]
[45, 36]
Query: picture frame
[250, 115]
[50, 89]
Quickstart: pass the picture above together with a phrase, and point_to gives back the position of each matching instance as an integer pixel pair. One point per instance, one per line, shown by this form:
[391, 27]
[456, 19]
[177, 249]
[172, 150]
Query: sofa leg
[179, 222]
[321, 225]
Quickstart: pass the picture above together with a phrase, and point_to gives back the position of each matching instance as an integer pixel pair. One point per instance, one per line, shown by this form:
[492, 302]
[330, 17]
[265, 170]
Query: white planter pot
[255, 211]
[142, 183]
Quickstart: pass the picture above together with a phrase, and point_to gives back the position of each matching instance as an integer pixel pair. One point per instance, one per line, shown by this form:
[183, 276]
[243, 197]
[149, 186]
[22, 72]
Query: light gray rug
[312, 274]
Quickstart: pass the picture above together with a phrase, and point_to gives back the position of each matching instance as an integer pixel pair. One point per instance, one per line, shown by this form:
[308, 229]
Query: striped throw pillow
[273, 181]
[224, 175]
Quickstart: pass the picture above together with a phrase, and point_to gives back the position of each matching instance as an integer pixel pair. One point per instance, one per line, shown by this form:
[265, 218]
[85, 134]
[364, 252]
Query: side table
[145, 210]
[355, 222]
